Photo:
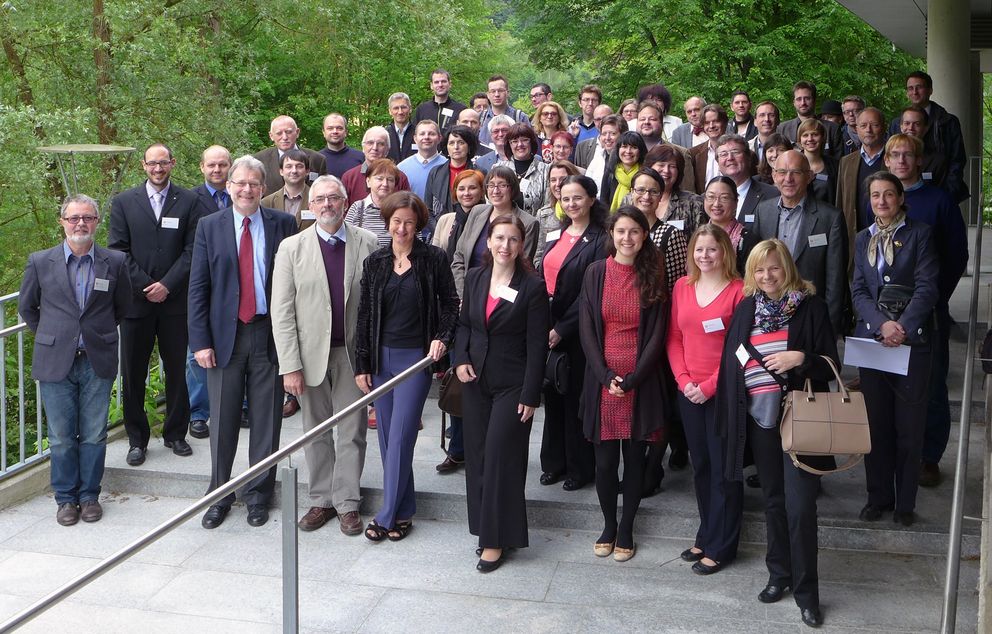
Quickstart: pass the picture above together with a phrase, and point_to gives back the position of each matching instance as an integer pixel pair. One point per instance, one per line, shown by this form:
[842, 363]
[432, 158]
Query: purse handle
[852, 461]
[845, 395]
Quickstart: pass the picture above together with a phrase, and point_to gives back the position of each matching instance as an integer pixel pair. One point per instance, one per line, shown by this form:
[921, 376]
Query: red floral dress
[621, 316]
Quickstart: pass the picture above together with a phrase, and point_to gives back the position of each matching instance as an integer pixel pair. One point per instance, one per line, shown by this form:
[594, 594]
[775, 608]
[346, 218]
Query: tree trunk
[106, 128]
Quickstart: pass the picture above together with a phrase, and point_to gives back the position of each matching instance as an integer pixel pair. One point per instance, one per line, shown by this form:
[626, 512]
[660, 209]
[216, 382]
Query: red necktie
[246, 274]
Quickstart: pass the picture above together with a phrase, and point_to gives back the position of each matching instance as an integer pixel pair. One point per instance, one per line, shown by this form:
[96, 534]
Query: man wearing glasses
[584, 126]
[734, 160]
[318, 276]
[72, 297]
[540, 93]
[497, 89]
[230, 333]
[813, 230]
[154, 225]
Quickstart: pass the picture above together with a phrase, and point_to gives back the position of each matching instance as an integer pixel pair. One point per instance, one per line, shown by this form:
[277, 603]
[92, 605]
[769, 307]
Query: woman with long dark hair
[623, 323]
[625, 159]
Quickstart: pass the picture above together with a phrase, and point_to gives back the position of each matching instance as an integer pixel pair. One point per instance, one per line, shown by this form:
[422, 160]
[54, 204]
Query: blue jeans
[196, 383]
[76, 409]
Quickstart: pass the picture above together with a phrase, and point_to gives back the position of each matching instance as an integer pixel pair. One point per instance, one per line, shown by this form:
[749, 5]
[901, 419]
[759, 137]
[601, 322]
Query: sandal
[375, 533]
[400, 531]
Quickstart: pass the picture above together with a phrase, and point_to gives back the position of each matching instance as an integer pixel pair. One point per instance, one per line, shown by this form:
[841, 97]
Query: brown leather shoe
[68, 514]
[449, 465]
[290, 407]
[351, 523]
[92, 511]
[316, 517]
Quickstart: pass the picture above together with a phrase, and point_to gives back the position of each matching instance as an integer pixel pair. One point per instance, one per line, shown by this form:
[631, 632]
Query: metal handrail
[949, 611]
[118, 557]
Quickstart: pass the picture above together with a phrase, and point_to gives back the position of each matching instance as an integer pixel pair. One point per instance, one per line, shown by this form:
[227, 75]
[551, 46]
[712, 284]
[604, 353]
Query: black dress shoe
[214, 516]
[135, 456]
[688, 555]
[812, 616]
[179, 447]
[198, 429]
[702, 569]
[258, 514]
[488, 566]
[872, 512]
[678, 460]
[906, 518]
[548, 479]
[772, 593]
[572, 485]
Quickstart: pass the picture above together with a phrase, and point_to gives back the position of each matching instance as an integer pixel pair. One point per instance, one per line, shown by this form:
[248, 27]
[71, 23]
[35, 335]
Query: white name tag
[713, 325]
[821, 177]
[818, 240]
[748, 218]
[447, 112]
[678, 224]
[927, 176]
[507, 293]
[306, 214]
[170, 223]
[100, 284]
[414, 147]
[742, 355]
[553, 235]
[312, 176]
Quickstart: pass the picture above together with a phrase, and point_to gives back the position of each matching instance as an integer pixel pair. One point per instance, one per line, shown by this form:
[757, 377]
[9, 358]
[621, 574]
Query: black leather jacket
[437, 302]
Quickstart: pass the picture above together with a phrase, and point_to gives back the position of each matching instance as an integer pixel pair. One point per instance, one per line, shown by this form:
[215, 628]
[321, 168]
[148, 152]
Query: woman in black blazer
[623, 323]
[894, 250]
[775, 339]
[568, 253]
[499, 356]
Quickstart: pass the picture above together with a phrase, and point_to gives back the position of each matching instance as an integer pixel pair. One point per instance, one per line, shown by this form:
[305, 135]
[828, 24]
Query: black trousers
[250, 373]
[608, 486]
[897, 417]
[720, 501]
[564, 449]
[496, 447]
[790, 517]
[138, 337]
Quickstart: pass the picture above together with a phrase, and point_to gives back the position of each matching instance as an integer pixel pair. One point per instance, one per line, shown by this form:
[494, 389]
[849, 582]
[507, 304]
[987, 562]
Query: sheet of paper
[868, 353]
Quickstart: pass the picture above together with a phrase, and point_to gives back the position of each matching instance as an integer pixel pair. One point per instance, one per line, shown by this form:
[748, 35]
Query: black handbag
[556, 371]
[892, 301]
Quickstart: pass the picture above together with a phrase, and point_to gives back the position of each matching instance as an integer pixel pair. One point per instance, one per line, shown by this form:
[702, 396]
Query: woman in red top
[702, 303]
[622, 326]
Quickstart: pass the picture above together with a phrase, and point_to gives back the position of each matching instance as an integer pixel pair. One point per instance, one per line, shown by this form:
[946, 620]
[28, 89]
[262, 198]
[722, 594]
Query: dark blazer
[585, 151]
[155, 253]
[399, 148]
[48, 305]
[214, 285]
[758, 192]
[270, 158]
[825, 265]
[750, 131]
[833, 144]
[915, 264]
[944, 137]
[437, 194]
[652, 392]
[565, 302]
[510, 349]
[809, 332]
[207, 201]
[431, 110]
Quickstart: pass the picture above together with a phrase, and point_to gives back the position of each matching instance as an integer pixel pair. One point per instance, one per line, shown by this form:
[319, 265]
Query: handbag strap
[852, 461]
[444, 426]
[753, 352]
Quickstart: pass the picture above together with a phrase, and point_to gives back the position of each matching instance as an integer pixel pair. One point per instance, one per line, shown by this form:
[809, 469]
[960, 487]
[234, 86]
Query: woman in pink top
[702, 303]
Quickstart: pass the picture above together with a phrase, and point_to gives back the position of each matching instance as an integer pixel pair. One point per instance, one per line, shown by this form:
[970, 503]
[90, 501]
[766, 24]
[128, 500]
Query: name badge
[100, 284]
[678, 224]
[748, 218]
[742, 355]
[927, 176]
[507, 293]
[312, 176]
[306, 214]
[818, 240]
[713, 325]
[553, 235]
[170, 223]
[821, 176]
[447, 112]
[414, 147]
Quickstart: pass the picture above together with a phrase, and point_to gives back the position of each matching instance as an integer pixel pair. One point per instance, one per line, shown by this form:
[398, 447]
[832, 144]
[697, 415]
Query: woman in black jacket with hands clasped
[499, 357]
[623, 322]
[776, 340]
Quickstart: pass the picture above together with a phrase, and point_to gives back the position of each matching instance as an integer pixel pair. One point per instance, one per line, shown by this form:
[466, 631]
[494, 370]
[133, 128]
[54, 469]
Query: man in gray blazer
[72, 297]
[813, 230]
[733, 157]
[316, 286]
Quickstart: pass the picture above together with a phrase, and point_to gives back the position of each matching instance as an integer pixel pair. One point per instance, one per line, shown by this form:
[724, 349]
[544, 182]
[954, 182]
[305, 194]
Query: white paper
[507, 293]
[678, 224]
[713, 325]
[868, 353]
[553, 235]
[170, 223]
[748, 218]
[100, 284]
[818, 240]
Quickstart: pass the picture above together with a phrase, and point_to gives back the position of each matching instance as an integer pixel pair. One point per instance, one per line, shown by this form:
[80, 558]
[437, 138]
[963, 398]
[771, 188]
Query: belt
[256, 318]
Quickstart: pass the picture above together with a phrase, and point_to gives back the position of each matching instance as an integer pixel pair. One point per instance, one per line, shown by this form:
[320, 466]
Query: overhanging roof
[904, 22]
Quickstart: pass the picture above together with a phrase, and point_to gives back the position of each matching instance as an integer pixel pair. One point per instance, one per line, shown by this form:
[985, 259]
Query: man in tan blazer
[316, 288]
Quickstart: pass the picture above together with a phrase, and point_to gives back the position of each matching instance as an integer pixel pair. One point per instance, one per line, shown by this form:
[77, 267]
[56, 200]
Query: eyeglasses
[537, 95]
[497, 187]
[549, 113]
[246, 184]
[319, 201]
[640, 191]
[909, 156]
[561, 148]
[723, 198]
[589, 100]
[154, 164]
[75, 220]
[727, 153]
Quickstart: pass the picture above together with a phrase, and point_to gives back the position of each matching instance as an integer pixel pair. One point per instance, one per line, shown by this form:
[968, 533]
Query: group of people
[656, 284]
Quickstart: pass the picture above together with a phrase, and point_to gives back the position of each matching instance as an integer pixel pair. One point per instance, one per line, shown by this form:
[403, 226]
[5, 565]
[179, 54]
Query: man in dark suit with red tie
[230, 332]
[154, 224]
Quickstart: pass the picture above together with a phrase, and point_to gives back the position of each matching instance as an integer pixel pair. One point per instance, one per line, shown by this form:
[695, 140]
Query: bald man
[284, 132]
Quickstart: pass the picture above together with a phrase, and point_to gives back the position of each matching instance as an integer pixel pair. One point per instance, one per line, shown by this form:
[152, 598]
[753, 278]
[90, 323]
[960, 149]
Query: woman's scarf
[624, 178]
[559, 212]
[771, 315]
[884, 237]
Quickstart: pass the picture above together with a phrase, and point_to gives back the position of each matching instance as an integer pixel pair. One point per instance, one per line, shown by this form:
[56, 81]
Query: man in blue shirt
[498, 91]
[417, 167]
